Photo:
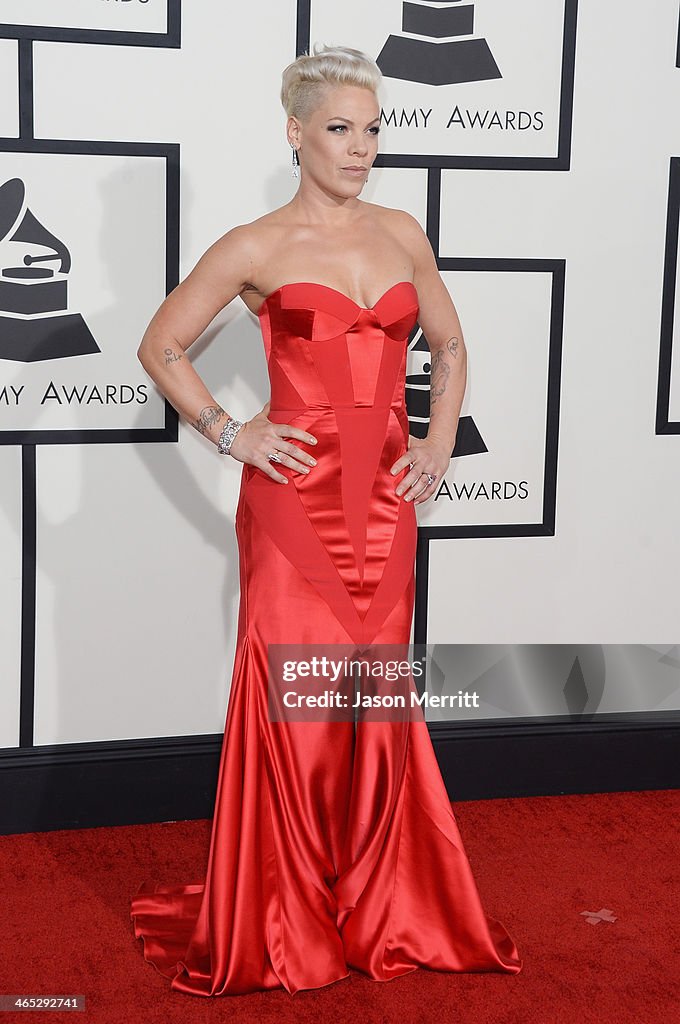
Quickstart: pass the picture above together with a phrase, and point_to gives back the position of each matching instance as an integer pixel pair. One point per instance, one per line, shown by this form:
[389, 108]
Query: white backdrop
[137, 573]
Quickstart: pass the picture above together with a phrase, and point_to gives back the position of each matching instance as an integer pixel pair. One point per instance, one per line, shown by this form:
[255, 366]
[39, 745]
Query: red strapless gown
[333, 843]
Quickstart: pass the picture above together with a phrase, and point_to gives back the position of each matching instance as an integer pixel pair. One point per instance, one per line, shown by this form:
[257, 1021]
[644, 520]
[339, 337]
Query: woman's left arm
[440, 325]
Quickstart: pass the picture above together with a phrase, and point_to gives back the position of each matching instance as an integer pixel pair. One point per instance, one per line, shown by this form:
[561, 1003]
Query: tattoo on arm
[171, 356]
[441, 370]
[208, 416]
[452, 346]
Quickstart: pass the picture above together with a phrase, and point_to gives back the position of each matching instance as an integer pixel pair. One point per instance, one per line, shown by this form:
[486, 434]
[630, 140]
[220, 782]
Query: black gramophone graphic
[468, 439]
[34, 324]
[447, 55]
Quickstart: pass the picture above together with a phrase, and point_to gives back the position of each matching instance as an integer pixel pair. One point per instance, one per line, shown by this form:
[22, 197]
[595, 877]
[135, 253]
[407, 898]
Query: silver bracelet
[227, 436]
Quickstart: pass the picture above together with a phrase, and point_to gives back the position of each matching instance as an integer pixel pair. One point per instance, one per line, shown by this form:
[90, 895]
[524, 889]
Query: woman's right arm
[218, 277]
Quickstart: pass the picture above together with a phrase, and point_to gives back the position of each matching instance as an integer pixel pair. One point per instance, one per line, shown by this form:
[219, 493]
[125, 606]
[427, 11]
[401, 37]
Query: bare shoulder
[247, 239]
[410, 235]
[244, 248]
[403, 225]
[396, 218]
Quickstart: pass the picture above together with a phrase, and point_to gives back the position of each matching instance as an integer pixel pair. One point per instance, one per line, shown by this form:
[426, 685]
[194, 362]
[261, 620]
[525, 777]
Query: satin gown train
[333, 845]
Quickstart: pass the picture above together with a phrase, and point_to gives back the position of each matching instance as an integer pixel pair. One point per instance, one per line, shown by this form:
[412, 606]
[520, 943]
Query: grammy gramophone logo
[469, 441]
[34, 320]
[439, 46]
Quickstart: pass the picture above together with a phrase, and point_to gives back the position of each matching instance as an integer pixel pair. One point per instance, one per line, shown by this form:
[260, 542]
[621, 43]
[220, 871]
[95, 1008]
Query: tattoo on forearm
[440, 377]
[452, 346]
[208, 416]
[441, 370]
[171, 356]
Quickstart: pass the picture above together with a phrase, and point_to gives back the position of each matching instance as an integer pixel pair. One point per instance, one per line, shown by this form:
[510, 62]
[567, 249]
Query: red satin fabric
[333, 843]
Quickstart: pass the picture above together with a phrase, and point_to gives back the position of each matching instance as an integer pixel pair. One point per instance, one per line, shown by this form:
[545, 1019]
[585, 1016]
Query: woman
[333, 842]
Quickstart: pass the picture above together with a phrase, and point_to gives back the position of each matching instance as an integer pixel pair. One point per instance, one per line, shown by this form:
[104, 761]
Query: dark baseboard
[555, 756]
[127, 782]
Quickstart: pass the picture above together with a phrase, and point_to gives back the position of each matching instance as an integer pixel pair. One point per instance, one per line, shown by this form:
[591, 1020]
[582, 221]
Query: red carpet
[539, 863]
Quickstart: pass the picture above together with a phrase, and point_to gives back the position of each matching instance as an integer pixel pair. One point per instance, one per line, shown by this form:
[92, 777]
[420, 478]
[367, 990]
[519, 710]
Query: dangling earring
[296, 162]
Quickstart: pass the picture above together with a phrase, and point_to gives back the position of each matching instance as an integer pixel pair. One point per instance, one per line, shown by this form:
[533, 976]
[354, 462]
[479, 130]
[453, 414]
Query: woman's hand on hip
[427, 457]
[259, 437]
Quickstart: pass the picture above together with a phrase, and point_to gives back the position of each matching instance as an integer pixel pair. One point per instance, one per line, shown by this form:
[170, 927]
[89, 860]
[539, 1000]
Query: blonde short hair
[306, 79]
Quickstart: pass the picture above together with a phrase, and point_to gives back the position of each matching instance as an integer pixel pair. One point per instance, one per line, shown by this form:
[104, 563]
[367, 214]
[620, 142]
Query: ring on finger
[431, 477]
[273, 456]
